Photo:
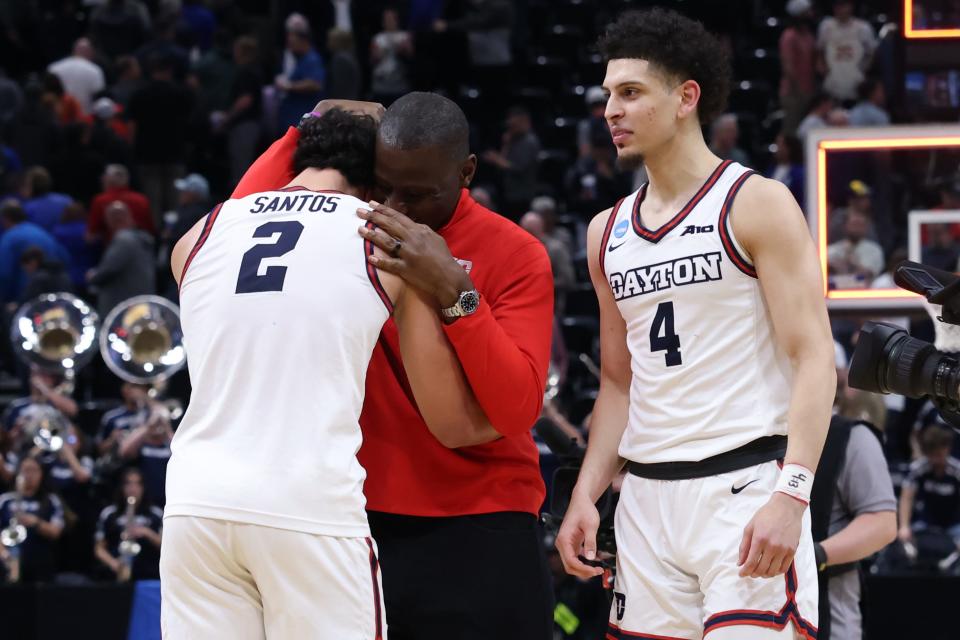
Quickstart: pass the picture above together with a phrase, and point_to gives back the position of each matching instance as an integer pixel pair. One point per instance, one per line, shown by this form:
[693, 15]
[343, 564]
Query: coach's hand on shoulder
[578, 535]
[359, 107]
[417, 254]
[771, 538]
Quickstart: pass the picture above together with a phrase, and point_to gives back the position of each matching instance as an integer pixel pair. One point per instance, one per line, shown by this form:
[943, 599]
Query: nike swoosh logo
[736, 490]
[614, 247]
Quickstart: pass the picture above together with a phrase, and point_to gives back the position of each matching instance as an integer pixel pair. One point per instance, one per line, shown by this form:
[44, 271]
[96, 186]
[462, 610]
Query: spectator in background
[593, 130]
[798, 56]
[19, 235]
[390, 53]
[193, 202]
[846, 44]
[547, 208]
[870, 110]
[304, 86]
[788, 165]
[71, 233]
[65, 108]
[116, 188]
[820, 107]
[44, 207]
[128, 266]
[241, 121]
[76, 166]
[198, 22]
[940, 249]
[856, 254]
[119, 26]
[146, 529]
[164, 46]
[487, 24]
[561, 261]
[160, 111]
[593, 183]
[44, 275]
[80, 76]
[345, 74]
[212, 77]
[517, 161]
[11, 99]
[930, 495]
[483, 197]
[128, 79]
[724, 134]
[859, 198]
[148, 447]
[41, 512]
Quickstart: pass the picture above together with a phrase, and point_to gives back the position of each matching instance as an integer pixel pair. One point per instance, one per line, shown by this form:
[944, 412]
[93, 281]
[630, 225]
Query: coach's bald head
[423, 157]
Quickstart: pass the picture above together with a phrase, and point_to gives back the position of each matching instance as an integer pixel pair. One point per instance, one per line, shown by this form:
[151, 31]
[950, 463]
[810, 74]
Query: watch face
[469, 302]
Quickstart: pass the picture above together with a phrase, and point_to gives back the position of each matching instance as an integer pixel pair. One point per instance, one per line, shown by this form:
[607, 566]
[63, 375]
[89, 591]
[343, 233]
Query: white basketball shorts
[221, 579]
[678, 544]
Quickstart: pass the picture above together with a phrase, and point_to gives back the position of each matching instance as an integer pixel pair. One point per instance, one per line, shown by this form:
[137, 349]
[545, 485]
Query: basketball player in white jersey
[266, 535]
[715, 346]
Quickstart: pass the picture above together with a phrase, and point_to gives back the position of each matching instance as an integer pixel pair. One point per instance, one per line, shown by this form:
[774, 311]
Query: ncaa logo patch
[621, 229]
[621, 603]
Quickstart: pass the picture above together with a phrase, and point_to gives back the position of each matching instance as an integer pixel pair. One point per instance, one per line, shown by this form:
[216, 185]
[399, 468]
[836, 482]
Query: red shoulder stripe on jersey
[373, 274]
[207, 227]
[656, 236]
[725, 233]
[606, 233]
[374, 568]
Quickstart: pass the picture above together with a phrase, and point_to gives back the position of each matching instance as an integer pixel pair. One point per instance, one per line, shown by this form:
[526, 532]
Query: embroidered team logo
[466, 264]
[621, 602]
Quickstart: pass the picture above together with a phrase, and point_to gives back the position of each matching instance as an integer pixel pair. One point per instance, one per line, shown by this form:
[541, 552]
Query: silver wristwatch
[467, 304]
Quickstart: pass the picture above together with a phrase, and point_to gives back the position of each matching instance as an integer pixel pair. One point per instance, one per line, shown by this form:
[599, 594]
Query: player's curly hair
[681, 47]
[338, 140]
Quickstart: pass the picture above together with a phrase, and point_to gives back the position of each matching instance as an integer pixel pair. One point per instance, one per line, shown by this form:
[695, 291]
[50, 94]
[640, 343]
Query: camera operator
[930, 496]
[853, 513]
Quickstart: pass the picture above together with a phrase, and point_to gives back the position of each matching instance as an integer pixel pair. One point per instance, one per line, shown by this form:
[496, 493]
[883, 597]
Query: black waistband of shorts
[753, 453]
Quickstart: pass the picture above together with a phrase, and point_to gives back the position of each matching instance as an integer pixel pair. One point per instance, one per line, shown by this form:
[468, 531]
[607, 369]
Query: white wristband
[796, 481]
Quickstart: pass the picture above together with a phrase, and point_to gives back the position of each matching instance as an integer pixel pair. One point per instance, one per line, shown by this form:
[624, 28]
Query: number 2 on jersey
[663, 337]
[250, 280]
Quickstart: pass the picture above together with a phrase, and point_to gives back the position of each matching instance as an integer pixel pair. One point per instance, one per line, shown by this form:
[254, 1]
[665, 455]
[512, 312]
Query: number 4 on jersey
[663, 337]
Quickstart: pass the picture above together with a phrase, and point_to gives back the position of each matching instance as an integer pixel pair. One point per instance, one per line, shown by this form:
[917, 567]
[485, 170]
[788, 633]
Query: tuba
[142, 343]
[56, 333]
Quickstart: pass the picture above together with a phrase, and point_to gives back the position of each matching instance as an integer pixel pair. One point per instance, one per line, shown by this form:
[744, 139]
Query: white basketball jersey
[708, 375]
[280, 313]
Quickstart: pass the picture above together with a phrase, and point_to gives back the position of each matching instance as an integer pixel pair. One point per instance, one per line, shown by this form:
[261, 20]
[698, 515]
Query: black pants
[482, 577]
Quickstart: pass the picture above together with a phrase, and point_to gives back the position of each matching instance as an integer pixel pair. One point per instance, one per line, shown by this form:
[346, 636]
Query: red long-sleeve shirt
[504, 349]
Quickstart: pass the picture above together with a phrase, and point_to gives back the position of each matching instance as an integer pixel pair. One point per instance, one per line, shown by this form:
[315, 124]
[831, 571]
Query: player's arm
[772, 230]
[440, 386]
[607, 423]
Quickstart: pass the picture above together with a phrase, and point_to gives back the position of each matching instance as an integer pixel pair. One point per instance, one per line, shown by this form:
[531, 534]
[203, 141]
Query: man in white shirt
[846, 46]
[81, 78]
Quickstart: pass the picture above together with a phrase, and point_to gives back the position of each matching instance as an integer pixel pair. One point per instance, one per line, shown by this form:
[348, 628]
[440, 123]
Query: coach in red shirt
[454, 511]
